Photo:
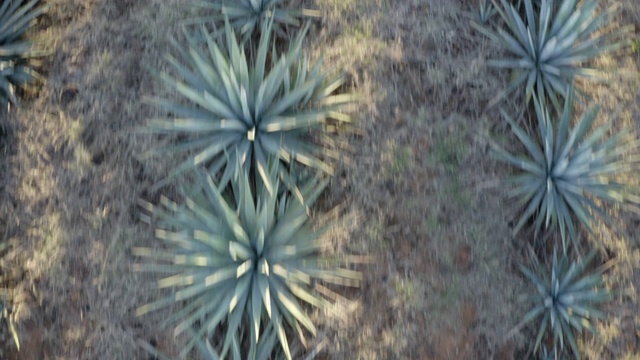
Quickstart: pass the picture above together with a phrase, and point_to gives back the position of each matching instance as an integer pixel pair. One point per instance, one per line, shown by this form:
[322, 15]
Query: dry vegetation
[419, 185]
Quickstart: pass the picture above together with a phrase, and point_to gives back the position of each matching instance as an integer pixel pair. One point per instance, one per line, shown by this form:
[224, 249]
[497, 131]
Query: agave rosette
[567, 168]
[246, 16]
[550, 44]
[247, 261]
[566, 300]
[16, 53]
[244, 109]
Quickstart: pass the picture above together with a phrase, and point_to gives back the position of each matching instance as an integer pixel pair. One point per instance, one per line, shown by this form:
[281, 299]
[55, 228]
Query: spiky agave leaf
[550, 44]
[246, 109]
[565, 299]
[486, 11]
[567, 168]
[263, 349]
[246, 16]
[546, 354]
[248, 262]
[16, 54]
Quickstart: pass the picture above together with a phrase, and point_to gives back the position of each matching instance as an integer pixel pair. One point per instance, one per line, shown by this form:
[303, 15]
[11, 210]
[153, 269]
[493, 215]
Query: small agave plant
[242, 262]
[243, 109]
[566, 300]
[16, 54]
[548, 46]
[248, 15]
[569, 167]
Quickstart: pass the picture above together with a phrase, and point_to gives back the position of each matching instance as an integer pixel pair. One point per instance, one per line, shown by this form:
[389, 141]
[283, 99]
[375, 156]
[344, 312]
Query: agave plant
[567, 168]
[566, 300]
[16, 54]
[549, 45]
[247, 261]
[248, 15]
[245, 109]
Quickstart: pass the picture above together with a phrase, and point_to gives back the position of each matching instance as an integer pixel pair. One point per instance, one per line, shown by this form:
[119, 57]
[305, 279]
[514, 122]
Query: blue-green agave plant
[244, 108]
[249, 260]
[567, 300]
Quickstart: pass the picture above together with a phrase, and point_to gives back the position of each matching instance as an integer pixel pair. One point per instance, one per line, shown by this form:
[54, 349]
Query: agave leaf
[519, 48]
[153, 351]
[541, 330]
[589, 312]
[18, 20]
[292, 307]
[239, 301]
[567, 168]
[528, 142]
[15, 49]
[518, 27]
[566, 330]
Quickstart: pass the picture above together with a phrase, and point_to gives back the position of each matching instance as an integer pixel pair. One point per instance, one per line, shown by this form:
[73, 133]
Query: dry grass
[75, 172]
[418, 184]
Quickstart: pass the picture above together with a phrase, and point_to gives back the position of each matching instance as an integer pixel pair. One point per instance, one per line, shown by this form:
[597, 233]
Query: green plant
[247, 15]
[567, 168]
[245, 109]
[549, 45]
[635, 46]
[565, 299]
[16, 54]
[244, 260]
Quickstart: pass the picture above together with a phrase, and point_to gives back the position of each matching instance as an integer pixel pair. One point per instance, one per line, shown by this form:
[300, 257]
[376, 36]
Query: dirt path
[76, 173]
